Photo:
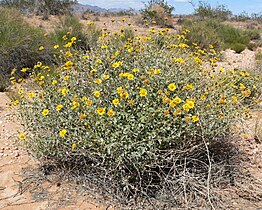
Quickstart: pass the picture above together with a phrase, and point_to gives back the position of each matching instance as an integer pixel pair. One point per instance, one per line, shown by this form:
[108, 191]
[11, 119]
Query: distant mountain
[81, 8]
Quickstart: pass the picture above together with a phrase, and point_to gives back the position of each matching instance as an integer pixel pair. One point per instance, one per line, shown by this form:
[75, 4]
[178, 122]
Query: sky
[181, 6]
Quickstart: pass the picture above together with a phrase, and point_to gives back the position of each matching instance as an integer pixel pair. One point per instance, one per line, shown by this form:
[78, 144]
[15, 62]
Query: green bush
[237, 47]
[20, 44]
[220, 35]
[70, 26]
[131, 114]
[253, 34]
[205, 10]
[203, 33]
[158, 12]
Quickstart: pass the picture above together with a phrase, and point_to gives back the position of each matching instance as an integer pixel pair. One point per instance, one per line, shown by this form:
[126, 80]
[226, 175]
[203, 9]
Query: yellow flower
[68, 64]
[64, 91]
[135, 70]
[105, 76]
[75, 105]
[83, 98]
[124, 94]
[143, 92]
[187, 119]
[221, 69]
[235, 99]
[41, 78]
[56, 46]
[242, 87]
[22, 136]
[195, 118]
[110, 113]
[82, 116]
[41, 48]
[99, 61]
[31, 95]
[115, 101]
[20, 92]
[66, 78]
[101, 111]
[73, 39]
[68, 54]
[166, 112]
[45, 112]
[157, 71]
[178, 60]
[89, 102]
[172, 87]
[115, 65]
[185, 107]
[177, 100]
[131, 102]
[16, 102]
[93, 71]
[98, 81]
[73, 147]
[90, 23]
[130, 77]
[188, 86]
[190, 104]
[97, 94]
[172, 103]
[246, 93]
[119, 90]
[203, 97]
[24, 70]
[59, 107]
[165, 99]
[54, 82]
[85, 56]
[68, 45]
[62, 133]
[178, 111]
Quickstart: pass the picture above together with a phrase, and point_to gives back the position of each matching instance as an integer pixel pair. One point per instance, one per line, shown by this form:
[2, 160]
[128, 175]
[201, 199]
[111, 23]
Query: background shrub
[205, 10]
[158, 11]
[19, 44]
[70, 26]
[220, 35]
[253, 34]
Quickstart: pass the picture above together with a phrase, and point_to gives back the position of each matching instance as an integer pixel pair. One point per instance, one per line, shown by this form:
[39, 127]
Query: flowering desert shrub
[130, 114]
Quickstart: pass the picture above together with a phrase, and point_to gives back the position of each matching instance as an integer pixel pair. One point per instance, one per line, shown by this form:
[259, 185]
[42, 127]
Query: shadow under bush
[198, 178]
